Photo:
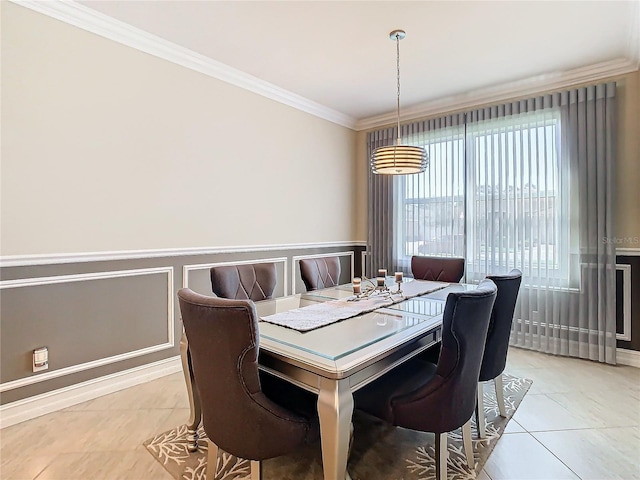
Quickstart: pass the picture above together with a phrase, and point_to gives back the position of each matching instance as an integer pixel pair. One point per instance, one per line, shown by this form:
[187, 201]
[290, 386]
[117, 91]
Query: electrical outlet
[40, 359]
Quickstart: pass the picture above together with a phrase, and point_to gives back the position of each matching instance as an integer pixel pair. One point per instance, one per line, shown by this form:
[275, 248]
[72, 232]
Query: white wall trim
[85, 257]
[36, 281]
[628, 357]
[626, 302]
[628, 252]
[530, 86]
[95, 22]
[296, 260]
[186, 269]
[363, 263]
[32, 407]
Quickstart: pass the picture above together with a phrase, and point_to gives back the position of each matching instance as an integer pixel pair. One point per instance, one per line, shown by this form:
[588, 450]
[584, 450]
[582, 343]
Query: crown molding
[529, 86]
[95, 22]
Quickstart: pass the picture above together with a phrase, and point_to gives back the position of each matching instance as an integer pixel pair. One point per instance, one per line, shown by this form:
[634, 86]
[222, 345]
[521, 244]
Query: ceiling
[339, 55]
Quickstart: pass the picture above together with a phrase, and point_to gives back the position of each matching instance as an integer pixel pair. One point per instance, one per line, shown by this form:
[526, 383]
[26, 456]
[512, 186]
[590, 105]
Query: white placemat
[321, 314]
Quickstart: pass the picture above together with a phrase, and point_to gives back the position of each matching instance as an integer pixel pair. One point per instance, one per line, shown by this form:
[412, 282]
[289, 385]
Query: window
[528, 184]
[492, 194]
[431, 215]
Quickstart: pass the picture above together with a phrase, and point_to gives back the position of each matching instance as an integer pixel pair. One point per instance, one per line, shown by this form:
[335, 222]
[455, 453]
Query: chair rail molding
[628, 252]
[7, 261]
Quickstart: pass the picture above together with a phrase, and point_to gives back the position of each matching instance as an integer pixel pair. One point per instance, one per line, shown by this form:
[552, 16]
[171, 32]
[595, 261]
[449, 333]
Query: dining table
[336, 359]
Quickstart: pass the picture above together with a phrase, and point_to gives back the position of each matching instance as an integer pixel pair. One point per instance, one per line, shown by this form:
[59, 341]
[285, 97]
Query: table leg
[335, 409]
[195, 412]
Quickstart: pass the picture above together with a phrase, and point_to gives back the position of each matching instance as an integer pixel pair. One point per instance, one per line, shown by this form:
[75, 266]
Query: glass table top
[337, 340]
[452, 287]
[420, 306]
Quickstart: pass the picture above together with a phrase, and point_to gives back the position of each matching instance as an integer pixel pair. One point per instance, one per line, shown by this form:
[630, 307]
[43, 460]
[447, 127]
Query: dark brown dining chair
[437, 269]
[441, 397]
[321, 272]
[254, 282]
[497, 344]
[240, 417]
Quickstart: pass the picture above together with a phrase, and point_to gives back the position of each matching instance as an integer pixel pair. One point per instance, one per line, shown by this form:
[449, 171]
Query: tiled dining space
[579, 420]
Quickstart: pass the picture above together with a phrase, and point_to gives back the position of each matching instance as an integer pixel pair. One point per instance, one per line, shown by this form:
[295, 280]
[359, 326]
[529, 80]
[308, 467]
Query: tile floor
[580, 420]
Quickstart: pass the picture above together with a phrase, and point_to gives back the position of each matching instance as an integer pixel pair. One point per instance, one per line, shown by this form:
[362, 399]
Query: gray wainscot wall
[104, 316]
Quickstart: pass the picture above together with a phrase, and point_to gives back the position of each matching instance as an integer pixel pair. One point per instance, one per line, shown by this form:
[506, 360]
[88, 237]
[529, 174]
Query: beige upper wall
[106, 148]
[627, 192]
[628, 162]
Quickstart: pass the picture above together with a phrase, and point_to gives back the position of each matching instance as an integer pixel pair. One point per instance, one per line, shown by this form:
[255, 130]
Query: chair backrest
[437, 269]
[320, 272]
[495, 350]
[237, 416]
[253, 282]
[464, 329]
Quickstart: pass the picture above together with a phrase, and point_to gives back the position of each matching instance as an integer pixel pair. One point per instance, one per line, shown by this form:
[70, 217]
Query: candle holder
[365, 288]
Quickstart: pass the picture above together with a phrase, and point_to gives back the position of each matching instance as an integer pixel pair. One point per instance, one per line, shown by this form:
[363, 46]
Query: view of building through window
[492, 195]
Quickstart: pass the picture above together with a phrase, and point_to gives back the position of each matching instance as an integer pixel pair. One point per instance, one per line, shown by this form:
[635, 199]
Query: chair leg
[442, 454]
[500, 396]
[468, 446]
[480, 421]
[212, 460]
[256, 470]
[195, 410]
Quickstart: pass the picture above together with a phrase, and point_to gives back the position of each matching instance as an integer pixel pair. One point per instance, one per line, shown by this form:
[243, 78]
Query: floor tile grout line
[558, 458]
[577, 429]
[486, 474]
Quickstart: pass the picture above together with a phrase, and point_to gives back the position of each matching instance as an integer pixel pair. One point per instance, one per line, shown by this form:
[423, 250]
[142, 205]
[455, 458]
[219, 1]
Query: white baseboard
[32, 407]
[628, 357]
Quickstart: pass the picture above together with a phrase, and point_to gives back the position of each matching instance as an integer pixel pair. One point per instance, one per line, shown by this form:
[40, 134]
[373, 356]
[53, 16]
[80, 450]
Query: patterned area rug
[380, 451]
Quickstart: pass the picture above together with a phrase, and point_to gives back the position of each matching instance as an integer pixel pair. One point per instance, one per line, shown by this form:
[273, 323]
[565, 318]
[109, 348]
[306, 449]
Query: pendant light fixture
[399, 159]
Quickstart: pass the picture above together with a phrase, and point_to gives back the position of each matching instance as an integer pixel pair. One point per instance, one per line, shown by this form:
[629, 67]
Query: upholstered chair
[441, 397]
[497, 344]
[239, 417]
[437, 269]
[321, 272]
[254, 282]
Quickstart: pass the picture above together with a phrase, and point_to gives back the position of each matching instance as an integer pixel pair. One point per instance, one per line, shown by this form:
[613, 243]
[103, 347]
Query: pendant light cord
[398, 70]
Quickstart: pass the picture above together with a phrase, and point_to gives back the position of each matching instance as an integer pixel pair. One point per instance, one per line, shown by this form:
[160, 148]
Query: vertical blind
[526, 185]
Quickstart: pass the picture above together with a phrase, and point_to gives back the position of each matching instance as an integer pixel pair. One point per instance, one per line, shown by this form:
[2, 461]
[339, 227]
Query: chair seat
[377, 397]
